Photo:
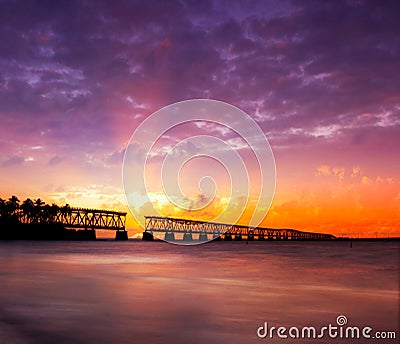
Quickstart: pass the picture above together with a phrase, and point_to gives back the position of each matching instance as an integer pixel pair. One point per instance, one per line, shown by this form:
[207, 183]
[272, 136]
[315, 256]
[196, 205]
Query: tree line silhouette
[36, 220]
[12, 211]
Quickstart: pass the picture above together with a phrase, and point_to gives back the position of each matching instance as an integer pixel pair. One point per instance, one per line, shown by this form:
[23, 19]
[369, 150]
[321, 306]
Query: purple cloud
[68, 70]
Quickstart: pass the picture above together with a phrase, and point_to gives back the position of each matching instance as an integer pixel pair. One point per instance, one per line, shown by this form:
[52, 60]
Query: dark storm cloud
[70, 71]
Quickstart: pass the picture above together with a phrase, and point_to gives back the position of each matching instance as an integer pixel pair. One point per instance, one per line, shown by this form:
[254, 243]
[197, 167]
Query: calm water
[149, 292]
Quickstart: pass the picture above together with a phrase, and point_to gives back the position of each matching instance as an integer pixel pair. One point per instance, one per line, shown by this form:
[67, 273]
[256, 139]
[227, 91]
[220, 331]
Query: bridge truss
[92, 219]
[174, 229]
[80, 218]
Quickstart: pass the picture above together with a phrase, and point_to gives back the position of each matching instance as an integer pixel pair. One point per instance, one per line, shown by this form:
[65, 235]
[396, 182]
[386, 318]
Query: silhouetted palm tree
[38, 204]
[2, 208]
[13, 203]
[28, 210]
[49, 213]
[12, 206]
[65, 211]
[54, 209]
[45, 215]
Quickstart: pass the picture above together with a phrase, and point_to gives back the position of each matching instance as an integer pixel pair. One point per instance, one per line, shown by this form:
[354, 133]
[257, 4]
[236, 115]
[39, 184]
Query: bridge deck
[182, 229]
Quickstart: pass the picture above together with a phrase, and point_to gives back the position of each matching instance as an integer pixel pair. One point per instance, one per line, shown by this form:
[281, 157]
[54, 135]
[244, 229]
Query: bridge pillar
[203, 237]
[216, 237]
[228, 237]
[261, 237]
[169, 236]
[121, 235]
[147, 236]
[187, 236]
[250, 237]
[238, 237]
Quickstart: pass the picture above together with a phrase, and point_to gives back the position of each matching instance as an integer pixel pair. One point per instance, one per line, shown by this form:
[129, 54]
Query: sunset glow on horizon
[319, 78]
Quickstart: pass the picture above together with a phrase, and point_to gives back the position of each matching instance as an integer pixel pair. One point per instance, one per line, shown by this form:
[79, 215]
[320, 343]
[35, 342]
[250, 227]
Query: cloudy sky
[319, 77]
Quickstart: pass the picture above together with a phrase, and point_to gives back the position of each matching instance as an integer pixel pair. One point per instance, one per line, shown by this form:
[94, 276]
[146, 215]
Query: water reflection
[135, 292]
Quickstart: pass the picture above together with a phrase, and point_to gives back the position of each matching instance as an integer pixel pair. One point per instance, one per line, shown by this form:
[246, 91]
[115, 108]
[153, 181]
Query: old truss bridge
[89, 220]
[173, 229]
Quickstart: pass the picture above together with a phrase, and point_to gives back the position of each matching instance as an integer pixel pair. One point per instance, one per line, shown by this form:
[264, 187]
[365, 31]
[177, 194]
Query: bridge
[174, 229]
[84, 219]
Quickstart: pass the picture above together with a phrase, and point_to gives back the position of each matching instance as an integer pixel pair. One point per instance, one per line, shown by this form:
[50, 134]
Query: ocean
[219, 292]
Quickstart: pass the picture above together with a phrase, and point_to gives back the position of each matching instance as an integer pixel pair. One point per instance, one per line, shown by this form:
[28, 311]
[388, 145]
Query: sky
[320, 78]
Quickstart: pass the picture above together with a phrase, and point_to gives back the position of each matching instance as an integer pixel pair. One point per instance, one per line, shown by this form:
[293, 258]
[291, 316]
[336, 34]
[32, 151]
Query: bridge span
[83, 219]
[92, 219]
[174, 229]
